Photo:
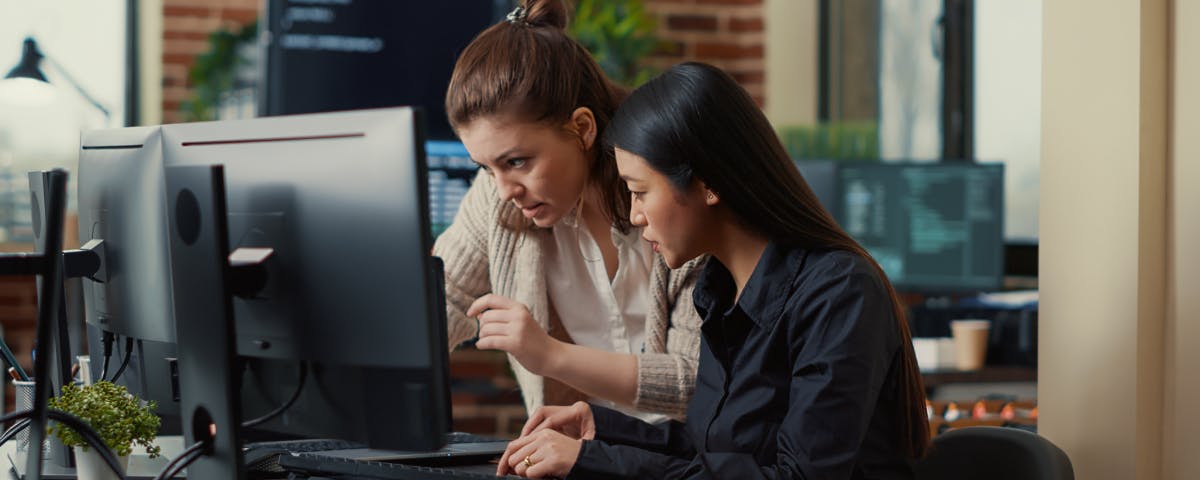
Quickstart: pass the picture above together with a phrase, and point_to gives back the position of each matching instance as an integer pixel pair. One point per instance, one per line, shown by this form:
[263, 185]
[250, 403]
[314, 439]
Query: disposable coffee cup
[970, 343]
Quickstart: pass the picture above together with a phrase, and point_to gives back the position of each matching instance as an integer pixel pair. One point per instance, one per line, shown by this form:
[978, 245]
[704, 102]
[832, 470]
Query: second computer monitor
[933, 227]
[341, 200]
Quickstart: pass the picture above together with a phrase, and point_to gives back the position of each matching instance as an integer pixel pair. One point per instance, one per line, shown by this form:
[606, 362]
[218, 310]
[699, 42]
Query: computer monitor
[122, 202]
[341, 199]
[933, 227]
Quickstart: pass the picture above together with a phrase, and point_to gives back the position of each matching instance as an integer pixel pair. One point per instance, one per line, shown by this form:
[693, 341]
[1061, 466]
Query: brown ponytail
[527, 66]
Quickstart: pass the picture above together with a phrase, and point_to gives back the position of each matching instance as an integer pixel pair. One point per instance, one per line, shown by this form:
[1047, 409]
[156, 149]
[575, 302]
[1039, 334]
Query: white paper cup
[970, 342]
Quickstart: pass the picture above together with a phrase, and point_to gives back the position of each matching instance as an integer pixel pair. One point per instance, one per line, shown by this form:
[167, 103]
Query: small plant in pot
[120, 419]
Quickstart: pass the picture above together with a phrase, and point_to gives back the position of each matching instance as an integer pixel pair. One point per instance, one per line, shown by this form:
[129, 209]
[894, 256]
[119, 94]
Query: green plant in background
[117, 416]
[832, 141]
[619, 34]
[213, 73]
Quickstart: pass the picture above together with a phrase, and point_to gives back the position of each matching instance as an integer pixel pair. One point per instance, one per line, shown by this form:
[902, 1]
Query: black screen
[327, 55]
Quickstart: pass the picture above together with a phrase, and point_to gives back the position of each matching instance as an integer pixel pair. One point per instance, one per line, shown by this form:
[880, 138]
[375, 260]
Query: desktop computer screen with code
[935, 227]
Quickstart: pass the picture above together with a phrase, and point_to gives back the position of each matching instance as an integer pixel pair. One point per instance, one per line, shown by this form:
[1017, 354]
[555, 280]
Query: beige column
[791, 61]
[1181, 417]
[150, 41]
[1103, 234]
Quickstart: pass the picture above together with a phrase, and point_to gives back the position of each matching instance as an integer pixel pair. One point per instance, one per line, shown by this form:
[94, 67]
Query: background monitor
[342, 200]
[935, 227]
[329, 56]
[122, 202]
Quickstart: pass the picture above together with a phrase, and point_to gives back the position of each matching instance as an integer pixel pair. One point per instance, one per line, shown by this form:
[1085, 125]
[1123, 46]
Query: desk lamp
[29, 67]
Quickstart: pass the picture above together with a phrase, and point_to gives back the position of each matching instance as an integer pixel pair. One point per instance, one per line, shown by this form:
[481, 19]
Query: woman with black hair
[806, 364]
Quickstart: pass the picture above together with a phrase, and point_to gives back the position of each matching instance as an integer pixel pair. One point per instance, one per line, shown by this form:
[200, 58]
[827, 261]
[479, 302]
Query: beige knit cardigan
[481, 256]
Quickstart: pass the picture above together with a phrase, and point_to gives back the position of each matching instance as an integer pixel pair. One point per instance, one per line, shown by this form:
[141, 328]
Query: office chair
[994, 453]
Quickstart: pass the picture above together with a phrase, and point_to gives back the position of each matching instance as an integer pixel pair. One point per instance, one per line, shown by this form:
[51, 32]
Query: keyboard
[264, 456]
[464, 437]
[318, 465]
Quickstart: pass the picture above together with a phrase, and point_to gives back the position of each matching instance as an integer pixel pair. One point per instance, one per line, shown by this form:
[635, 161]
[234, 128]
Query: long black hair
[695, 122]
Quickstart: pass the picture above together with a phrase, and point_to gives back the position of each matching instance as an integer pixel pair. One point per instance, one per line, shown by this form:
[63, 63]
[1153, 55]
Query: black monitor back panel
[204, 319]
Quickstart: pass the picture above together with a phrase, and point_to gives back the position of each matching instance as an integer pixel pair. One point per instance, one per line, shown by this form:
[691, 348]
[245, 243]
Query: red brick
[186, 11]
[727, 51]
[177, 35]
[744, 78]
[694, 23]
[746, 24]
[515, 424]
[466, 369]
[241, 16]
[179, 58]
[476, 425]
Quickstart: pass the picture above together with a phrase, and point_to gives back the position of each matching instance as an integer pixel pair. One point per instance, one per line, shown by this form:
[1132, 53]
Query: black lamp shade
[28, 66]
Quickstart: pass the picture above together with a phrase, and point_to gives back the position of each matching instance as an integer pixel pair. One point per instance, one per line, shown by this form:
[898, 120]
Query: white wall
[87, 39]
[1008, 104]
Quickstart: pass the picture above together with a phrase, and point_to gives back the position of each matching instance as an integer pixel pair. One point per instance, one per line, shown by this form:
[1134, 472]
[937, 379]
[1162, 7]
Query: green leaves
[119, 418]
[832, 141]
[619, 34]
[213, 74]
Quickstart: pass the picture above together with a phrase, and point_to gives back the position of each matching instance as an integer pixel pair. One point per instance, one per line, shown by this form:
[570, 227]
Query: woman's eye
[637, 195]
[516, 162]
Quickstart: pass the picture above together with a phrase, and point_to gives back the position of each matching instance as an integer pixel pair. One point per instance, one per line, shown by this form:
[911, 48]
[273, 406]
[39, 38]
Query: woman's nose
[637, 218]
[507, 188]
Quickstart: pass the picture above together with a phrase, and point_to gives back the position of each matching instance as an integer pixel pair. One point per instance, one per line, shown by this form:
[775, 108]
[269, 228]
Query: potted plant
[120, 419]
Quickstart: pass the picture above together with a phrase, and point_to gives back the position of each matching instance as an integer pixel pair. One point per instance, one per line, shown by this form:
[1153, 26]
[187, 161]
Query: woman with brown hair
[806, 365]
[542, 252]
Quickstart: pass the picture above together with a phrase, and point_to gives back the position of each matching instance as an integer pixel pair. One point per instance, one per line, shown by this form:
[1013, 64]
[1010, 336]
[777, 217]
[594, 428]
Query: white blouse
[598, 313]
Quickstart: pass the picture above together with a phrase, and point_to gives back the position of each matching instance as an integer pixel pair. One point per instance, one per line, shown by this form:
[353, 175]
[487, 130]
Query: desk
[936, 378]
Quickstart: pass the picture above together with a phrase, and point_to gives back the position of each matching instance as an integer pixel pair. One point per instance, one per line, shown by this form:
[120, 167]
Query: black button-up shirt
[798, 379]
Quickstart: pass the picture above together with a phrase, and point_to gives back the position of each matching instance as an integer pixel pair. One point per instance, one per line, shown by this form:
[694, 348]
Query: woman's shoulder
[838, 272]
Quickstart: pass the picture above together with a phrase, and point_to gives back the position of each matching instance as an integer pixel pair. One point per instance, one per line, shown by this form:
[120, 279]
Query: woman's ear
[583, 124]
[710, 197]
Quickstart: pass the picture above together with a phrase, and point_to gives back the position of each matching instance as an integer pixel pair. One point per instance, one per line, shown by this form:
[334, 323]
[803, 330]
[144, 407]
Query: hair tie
[517, 16]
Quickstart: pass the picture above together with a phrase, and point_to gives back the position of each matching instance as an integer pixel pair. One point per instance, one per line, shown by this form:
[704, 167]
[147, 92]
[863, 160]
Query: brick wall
[186, 26]
[725, 33]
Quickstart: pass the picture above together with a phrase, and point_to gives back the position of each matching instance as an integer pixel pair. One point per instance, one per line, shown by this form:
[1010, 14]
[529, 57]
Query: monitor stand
[204, 324]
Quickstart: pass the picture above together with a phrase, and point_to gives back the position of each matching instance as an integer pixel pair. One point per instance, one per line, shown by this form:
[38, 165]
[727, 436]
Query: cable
[90, 436]
[74, 423]
[184, 459]
[13, 431]
[108, 339]
[282, 408]
[125, 361]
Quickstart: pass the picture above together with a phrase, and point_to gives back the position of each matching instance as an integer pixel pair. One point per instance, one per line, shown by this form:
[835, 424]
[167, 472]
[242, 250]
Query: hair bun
[546, 13]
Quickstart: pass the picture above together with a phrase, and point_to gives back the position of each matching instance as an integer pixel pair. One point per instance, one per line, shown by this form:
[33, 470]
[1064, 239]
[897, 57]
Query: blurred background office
[935, 130]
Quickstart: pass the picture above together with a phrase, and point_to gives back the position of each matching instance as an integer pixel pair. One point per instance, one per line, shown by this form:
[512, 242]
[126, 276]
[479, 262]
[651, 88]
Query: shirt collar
[765, 292]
